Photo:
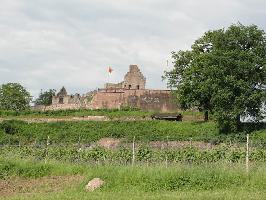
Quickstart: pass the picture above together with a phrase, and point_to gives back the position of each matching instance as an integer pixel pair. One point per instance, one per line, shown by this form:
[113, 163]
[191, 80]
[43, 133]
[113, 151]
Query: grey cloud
[49, 43]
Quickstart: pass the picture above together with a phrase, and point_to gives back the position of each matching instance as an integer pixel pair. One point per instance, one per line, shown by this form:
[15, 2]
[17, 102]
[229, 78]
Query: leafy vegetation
[224, 74]
[14, 132]
[144, 154]
[156, 182]
[90, 131]
[45, 98]
[113, 113]
[14, 97]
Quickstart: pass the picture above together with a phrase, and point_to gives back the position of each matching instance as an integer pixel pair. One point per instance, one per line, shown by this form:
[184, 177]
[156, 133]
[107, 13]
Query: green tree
[223, 73]
[14, 97]
[45, 98]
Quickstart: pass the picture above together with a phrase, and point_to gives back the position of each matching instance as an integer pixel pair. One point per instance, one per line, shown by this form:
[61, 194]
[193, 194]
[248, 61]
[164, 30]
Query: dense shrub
[11, 127]
[9, 168]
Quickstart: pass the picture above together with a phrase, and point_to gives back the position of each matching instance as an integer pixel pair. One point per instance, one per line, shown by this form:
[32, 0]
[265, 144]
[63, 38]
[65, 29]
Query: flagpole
[108, 77]
[110, 70]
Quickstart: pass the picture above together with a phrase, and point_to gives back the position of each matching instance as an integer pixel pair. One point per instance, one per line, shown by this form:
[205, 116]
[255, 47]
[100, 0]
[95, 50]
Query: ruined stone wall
[69, 99]
[129, 93]
[107, 100]
[69, 102]
[157, 100]
[113, 85]
[134, 79]
[160, 100]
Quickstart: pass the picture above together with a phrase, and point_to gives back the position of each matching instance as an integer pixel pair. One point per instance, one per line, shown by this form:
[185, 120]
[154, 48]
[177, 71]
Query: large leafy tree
[14, 96]
[223, 73]
[45, 98]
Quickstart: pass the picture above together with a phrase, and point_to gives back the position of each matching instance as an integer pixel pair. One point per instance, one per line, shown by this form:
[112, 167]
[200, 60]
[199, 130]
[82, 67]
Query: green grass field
[32, 171]
[216, 181]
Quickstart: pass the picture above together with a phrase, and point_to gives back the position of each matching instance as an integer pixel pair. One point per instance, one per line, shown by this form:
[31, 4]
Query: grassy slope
[62, 132]
[90, 131]
[112, 114]
[156, 182]
[78, 113]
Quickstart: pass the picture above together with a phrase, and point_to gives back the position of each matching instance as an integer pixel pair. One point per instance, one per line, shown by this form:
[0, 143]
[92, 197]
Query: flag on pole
[110, 70]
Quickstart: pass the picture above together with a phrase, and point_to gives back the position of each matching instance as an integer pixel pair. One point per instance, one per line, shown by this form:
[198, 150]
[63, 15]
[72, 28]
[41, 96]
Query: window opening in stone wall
[129, 86]
[61, 100]
[137, 87]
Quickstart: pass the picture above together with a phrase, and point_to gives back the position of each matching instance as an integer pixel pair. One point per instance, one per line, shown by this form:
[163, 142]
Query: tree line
[15, 97]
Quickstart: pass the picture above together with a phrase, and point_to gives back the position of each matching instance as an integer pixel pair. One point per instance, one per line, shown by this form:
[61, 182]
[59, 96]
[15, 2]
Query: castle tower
[60, 98]
[134, 79]
[62, 92]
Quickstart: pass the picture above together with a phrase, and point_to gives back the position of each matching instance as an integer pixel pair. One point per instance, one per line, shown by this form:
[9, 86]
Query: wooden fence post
[133, 151]
[247, 154]
[79, 149]
[46, 151]
[166, 158]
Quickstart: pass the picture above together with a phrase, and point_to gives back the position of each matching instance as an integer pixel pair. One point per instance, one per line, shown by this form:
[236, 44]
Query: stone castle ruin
[133, 79]
[63, 98]
[131, 92]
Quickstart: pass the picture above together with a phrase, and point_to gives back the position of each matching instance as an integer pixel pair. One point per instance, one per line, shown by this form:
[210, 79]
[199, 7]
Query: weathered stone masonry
[145, 99]
[133, 80]
[129, 93]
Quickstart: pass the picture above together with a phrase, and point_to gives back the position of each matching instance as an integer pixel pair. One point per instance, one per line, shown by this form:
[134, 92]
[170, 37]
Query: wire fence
[131, 153]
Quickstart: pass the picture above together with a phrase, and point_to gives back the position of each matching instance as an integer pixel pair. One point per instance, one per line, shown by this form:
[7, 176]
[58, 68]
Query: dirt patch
[91, 118]
[53, 119]
[193, 118]
[109, 143]
[112, 143]
[15, 186]
[180, 144]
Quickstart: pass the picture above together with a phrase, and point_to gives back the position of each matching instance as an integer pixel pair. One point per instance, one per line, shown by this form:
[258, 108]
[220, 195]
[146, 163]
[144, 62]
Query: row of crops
[14, 132]
[125, 155]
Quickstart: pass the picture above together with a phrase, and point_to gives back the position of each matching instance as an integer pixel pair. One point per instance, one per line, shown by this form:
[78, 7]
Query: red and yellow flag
[110, 70]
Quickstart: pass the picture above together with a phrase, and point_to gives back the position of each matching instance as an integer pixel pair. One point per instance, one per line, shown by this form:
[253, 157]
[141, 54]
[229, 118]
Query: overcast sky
[50, 43]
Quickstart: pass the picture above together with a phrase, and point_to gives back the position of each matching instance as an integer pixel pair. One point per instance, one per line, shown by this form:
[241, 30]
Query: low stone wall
[60, 107]
[158, 100]
[155, 100]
